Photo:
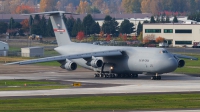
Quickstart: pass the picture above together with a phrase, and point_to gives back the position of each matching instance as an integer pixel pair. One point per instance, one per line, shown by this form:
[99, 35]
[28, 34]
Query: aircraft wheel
[153, 78]
[156, 78]
[159, 78]
[95, 75]
[135, 75]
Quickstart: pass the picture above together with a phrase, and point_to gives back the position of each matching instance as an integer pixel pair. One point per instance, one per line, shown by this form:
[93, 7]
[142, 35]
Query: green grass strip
[102, 103]
[17, 85]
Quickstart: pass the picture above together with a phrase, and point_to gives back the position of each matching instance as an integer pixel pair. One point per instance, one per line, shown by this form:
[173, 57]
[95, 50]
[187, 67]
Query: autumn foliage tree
[83, 7]
[47, 5]
[159, 39]
[24, 9]
[108, 37]
[101, 34]
[124, 37]
[25, 25]
[148, 38]
[80, 35]
[134, 38]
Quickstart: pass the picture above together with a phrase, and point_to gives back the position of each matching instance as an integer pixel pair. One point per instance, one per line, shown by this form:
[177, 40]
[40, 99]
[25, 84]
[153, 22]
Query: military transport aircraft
[108, 61]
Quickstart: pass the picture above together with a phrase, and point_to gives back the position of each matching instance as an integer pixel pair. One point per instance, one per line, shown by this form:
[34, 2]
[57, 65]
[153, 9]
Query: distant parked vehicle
[196, 45]
[163, 44]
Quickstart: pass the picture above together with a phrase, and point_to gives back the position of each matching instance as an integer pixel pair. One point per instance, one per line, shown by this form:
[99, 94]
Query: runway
[170, 83]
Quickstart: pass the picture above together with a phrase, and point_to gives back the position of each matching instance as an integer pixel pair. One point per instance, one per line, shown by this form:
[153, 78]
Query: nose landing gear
[156, 77]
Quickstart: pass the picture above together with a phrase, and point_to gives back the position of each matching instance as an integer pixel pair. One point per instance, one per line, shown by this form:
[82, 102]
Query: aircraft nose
[171, 64]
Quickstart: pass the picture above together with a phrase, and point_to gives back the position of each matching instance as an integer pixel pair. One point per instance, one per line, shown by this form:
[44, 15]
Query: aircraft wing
[184, 56]
[74, 56]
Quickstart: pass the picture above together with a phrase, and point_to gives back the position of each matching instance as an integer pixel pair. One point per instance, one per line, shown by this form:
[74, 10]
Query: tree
[152, 20]
[11, 23]
[134, 38]
[89, 25]
[43, 26]
[101, 34]
[139, 28]
[124, 37]
[167, 19]
[36, 28]
[108, 37]
[148, 38]
[126, 27]
[140, 37]
[3, 27]
[69, 24]
[131, 6]
[47, 5]
[157, 19]
[97, 28]
[25, 25]
[110, 25]
[24, 9]
[162, 19]
[80, 36]
[49, 29]
[160, 39]
[83, 7]
[175, 20]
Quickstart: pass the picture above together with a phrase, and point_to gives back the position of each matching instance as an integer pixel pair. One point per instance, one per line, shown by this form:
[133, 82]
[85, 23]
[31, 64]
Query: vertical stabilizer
[60, 30]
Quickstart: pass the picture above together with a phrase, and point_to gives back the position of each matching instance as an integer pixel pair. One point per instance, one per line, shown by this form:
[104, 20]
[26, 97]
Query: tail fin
[60, 30]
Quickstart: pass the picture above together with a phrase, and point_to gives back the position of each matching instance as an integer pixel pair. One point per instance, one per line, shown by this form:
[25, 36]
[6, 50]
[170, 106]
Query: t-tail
[60, 30]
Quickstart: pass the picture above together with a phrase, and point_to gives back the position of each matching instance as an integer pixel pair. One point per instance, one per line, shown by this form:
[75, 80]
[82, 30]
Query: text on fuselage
[143, 60]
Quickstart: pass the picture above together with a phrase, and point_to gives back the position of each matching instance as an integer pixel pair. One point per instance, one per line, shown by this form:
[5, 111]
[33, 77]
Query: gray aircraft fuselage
[134, 59]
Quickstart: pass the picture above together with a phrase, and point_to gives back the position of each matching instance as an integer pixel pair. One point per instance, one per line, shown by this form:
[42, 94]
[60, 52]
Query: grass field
[12, 85]
[101, 103]
[191, 66]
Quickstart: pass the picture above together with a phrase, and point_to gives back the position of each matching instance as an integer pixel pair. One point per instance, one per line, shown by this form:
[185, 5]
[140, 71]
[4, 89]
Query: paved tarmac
[170, 83]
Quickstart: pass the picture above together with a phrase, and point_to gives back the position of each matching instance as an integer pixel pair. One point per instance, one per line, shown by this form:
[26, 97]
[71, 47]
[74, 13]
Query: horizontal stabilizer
[185, 56]
[74, 56]
[51, 13]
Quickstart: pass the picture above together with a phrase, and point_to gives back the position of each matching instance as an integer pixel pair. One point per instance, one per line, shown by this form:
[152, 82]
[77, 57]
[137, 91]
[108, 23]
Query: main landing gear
[156, 77]
[113, 75]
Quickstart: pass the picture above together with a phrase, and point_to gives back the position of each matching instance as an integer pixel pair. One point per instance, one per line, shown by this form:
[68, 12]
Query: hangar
[177, 35]
[3, 48]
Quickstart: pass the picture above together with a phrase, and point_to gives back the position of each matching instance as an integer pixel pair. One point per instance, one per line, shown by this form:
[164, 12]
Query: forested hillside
[178, 7]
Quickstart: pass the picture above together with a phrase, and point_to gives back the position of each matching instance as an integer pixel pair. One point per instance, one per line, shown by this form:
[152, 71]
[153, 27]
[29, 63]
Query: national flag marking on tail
[59, 30]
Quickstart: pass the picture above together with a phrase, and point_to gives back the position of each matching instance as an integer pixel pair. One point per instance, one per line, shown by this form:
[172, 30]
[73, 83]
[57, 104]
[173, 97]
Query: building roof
[19, 17]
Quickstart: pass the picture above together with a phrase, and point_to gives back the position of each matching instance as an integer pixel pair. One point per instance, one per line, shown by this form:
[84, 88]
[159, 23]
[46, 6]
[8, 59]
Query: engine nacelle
[96, 63]
[181, 63]
[69, 66]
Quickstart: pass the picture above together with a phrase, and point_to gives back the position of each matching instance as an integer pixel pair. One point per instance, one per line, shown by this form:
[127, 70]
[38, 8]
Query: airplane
[108, 61]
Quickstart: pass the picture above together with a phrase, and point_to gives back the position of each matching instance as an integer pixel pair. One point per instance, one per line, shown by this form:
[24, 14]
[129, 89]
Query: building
[175, 34]
[32, 52]
[4, 48]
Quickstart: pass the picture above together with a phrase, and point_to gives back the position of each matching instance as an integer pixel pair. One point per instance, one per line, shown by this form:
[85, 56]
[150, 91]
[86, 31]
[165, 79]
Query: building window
[168, 30]
[183, 31]
[183, 42]
[152, 30]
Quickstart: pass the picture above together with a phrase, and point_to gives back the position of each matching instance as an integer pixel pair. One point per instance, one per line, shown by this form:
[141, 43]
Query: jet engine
[69, 66]
[96, 63]
[181, 63]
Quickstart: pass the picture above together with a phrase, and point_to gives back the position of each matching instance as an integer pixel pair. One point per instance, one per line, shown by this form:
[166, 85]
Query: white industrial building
[176, 34]
[32, 52]
[4, 48]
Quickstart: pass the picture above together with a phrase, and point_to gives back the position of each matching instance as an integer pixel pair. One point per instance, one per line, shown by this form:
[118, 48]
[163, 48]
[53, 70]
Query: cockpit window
[164, 51]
